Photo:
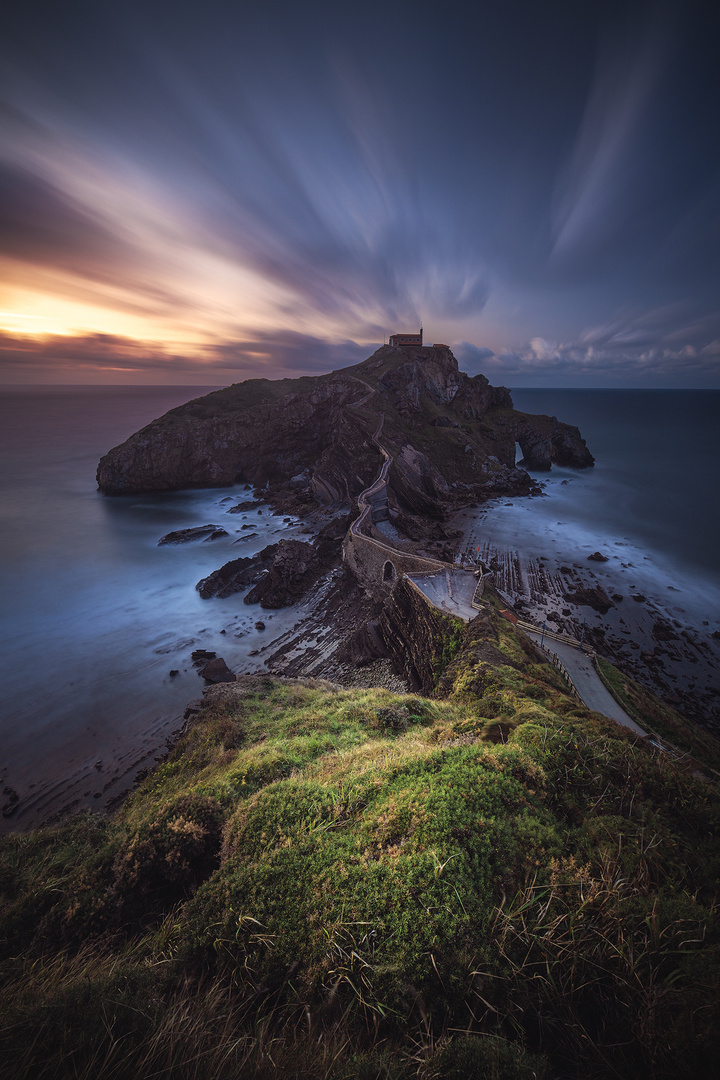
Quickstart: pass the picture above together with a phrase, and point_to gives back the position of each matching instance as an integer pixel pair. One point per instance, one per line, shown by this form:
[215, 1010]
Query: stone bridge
[378, 565]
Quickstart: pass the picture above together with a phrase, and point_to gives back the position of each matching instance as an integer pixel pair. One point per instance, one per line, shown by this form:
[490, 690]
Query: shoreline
[644, 638]
[660, 627]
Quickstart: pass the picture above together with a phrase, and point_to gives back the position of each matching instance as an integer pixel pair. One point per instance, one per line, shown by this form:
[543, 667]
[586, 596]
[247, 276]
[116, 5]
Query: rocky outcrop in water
[186, 536]
[236, 575]
[545, 441]
[311, 440]
[295, 567]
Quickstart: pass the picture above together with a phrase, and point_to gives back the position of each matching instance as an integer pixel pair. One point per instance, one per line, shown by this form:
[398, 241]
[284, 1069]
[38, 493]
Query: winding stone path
[451, 591]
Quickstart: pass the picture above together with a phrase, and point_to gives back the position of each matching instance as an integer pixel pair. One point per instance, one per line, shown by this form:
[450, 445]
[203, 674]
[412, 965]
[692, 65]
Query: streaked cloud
[208, 178]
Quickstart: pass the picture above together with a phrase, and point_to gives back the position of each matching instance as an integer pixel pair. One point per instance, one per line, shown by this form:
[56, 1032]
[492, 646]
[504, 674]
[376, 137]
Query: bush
[167, 858]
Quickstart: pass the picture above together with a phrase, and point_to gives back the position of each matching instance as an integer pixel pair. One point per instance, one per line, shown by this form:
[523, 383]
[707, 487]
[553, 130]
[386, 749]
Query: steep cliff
[452, 437]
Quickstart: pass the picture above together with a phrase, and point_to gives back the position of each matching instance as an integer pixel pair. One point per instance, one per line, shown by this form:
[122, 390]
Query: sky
[208, 192]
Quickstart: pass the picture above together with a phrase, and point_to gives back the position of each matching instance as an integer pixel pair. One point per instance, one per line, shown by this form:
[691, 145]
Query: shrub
[168, 857]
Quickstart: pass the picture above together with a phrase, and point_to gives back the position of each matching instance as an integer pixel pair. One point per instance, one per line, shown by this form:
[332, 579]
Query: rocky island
[310, 440]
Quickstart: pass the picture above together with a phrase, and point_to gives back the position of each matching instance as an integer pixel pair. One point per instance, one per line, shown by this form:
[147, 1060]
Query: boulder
[241, 507]
[236, 575]
[217, 671]
[294, 568]
[594, 597]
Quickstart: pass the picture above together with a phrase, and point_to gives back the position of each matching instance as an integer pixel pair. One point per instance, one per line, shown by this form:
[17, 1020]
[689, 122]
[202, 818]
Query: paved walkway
[449, 590]
[588, 683]
[452, 591]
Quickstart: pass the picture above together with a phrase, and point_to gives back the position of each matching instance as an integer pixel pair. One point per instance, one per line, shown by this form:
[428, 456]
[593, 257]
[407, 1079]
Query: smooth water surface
[655, 476]
[95, 615]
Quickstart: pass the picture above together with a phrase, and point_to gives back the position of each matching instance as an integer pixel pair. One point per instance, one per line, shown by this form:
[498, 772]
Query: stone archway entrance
[389, 571]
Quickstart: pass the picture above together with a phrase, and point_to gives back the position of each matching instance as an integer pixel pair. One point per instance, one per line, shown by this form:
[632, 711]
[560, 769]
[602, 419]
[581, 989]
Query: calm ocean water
[94, 614]
[655, 477]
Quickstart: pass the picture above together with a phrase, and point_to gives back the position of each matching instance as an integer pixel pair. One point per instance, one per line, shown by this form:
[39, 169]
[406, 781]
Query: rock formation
[294, 568]
[311, 440]
[236, 575]
[186, 536]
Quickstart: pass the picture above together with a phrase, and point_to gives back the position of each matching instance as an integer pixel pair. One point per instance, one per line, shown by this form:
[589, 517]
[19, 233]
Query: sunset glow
[280, 178]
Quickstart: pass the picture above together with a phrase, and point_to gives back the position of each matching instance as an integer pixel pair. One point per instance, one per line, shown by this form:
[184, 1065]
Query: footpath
[589, 686]
[456, 592]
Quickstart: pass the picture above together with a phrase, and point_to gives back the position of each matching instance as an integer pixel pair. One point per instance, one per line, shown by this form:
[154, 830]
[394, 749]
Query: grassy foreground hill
[490, 883]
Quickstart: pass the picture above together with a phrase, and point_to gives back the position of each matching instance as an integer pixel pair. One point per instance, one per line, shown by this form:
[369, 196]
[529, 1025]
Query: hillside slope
[488, 882]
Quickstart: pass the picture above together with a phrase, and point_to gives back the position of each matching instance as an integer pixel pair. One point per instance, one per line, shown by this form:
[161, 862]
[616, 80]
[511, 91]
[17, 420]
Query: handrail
[525, 624]
[557, 663]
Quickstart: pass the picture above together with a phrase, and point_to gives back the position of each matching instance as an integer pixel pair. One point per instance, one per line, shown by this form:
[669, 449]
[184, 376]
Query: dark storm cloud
[521, 173]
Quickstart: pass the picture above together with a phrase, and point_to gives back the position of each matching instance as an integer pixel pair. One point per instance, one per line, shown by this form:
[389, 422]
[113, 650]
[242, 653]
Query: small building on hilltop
[406, 339]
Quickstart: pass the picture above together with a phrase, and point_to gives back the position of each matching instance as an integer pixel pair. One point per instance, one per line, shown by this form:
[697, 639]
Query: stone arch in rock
[389, 572]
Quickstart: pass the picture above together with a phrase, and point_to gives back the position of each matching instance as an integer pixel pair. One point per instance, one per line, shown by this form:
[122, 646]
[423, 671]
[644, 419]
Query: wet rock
[545, 441]
[237, 575]
[294, 568]
[217, 671]
[662, 631]
[259, 625]
[186, 536]
[202, 654]
[617, 597]
[597, 556]
[639, 598]
[249, 504]
[173, 673]
[594, 597]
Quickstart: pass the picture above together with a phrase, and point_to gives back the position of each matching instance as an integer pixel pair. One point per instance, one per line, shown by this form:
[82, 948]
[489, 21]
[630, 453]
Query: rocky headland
[309, 447]
[309, 441]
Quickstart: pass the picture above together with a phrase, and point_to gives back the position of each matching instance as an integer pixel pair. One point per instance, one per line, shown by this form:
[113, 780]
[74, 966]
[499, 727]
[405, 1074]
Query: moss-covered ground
[657, 716]
[495, 883]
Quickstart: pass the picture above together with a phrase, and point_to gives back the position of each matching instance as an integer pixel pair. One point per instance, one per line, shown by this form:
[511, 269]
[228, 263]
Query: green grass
[656, 715]
[320, 882]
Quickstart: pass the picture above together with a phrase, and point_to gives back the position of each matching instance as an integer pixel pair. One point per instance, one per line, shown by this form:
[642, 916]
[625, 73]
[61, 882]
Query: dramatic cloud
[222, 177]
[282, 354]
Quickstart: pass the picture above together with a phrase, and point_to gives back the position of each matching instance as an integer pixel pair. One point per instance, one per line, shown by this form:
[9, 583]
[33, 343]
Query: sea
[95, 615]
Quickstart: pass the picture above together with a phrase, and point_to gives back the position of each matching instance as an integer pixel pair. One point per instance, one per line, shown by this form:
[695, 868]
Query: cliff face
[418, 637]
[452, 437]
